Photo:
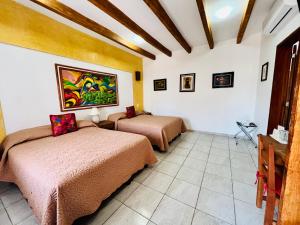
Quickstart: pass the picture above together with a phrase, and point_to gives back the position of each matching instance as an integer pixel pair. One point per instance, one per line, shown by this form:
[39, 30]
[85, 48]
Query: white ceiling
[184, 14]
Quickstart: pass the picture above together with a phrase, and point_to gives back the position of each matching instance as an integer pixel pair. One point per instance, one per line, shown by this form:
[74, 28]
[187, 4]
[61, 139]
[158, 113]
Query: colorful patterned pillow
[62, 124]
[130, 112]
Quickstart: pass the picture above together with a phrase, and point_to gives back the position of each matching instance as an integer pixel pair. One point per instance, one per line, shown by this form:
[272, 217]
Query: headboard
[2, 128]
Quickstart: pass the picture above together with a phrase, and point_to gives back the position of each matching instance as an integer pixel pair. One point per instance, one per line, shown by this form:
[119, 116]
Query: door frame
[280, 80]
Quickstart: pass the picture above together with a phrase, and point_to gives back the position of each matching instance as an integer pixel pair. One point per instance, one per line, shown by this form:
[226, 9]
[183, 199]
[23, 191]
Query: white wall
[28, 90]
[268, 54]
[206, 109]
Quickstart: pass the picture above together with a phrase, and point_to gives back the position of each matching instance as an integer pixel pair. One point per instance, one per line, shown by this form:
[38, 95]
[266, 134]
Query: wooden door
[285, 73]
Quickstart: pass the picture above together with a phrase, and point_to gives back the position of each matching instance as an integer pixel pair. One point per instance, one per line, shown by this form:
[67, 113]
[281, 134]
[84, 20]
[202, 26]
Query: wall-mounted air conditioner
[281, 12]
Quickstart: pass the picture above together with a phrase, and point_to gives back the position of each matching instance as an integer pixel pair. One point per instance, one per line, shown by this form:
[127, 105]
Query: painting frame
[264, 72]
[228, 80]
[190, 82]
[61, 90]
[158, 82]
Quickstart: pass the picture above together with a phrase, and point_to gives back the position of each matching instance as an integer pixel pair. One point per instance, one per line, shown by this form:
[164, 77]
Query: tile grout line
[202, 180]
[6, 210]
[226, 178]
[173, 181]
[112, 213]
[165, 194]
[233, 196]
[123, 203]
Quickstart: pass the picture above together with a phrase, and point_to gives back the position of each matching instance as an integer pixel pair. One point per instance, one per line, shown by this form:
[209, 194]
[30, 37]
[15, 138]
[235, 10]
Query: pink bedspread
[160, 130]
[68, 176]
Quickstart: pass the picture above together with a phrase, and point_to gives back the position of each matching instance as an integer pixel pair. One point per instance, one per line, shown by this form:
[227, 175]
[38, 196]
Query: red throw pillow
[62, 124]
[130, 112]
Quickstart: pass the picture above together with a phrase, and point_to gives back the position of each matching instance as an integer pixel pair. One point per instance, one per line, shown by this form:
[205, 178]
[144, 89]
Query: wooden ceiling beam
[68, 13]
[110, 9]
[206, 26]
[245, 21]
[162, 15]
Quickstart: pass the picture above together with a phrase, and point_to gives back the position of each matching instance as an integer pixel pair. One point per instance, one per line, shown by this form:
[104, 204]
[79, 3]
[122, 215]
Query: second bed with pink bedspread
[160, 130]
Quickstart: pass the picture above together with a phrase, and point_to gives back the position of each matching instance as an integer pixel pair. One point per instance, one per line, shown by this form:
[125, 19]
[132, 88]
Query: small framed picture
[160, 85]
[264, 71]
[187, 82]
[223, 80]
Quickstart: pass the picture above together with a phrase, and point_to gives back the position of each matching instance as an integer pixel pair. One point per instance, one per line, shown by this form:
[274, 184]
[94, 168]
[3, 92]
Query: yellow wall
[27, 28]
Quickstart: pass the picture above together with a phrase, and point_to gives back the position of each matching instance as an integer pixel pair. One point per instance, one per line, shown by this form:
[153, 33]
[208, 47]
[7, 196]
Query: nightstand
[106, 124]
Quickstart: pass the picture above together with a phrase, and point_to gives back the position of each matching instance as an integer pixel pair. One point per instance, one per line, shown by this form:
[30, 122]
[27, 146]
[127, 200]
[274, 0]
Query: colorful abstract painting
[82, 89]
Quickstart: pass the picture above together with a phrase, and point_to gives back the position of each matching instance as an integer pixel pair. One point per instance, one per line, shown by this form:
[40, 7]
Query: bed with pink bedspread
[160, 130]
[68, 176]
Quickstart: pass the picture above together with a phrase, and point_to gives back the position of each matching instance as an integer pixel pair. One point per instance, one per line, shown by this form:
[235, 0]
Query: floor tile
[161, 155]
[223, 171]
[198, 155]
[144, 201]
[234, 154]
[190, 139]
[126, 216]
[201, 218]
[190, 175]
[201, 148]
[239, 148]
[196, 164]
[244, 192]
[254, 151]
[124, 194]
[19, 211]
[184, 192]
[168, 168]
[231, 140]
[158, 181]
[255, 160]
[4, 217]
[219, 159]
[181, 151]
[218, 184]
[221, 139]
[220, 145]
[216, 204]
[151, 223]
[105, 212]
[11, 196]
[30, 221]
[248, 214]
[184, 144]
[221, 152]
[246, 165]
[208, 136]
[204, 142]
[172, 212]
[141, 177]
[243, 160]
[175, 158]
[243, 176]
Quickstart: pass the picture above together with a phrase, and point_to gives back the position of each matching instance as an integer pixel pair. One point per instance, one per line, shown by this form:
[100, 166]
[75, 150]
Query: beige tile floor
[203, 180]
